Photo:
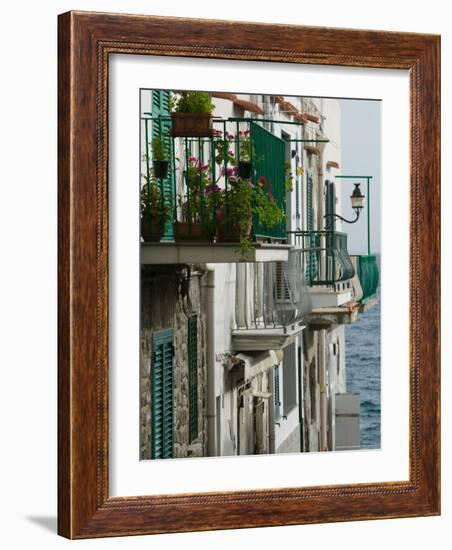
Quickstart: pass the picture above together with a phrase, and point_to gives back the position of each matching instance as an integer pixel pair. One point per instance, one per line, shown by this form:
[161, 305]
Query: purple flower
[212, 188]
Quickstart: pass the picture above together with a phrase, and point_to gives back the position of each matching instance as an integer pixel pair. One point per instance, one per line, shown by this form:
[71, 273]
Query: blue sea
[362, 348]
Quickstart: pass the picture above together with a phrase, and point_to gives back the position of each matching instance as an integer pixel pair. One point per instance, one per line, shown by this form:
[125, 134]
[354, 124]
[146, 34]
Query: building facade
[244, 353]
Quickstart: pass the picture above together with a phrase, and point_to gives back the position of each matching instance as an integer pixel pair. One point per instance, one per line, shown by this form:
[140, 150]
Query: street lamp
[357, 200]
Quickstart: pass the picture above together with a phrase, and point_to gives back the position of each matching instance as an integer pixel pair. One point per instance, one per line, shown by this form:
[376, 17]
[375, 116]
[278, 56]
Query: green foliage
[194, 102]
[153, 202]
[288, 176]
[159, 149]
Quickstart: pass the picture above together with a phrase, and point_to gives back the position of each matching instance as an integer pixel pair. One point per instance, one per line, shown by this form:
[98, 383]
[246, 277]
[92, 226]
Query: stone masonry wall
[168, 299]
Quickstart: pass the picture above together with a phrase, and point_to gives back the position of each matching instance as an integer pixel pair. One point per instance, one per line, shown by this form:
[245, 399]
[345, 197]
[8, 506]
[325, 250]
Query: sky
[361, 125]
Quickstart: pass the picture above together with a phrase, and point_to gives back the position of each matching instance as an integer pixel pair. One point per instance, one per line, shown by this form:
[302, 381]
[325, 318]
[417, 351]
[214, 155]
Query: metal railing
[204, 170]
[325, 259]
[271, 295]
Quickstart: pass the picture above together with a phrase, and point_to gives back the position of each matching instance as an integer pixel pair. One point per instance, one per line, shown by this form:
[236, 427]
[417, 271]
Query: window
[276, 391]
[192, 347]
[162, 389]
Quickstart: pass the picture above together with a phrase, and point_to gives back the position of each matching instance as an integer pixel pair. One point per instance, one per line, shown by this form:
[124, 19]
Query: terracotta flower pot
[193, 232]
[231, 232]
[160, 168]
[191, 125]
[151, 229]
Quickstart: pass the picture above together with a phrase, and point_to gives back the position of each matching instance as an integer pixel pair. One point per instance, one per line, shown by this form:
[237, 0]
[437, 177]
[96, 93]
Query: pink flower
[270, 186]
[246, 133]
[204, 167]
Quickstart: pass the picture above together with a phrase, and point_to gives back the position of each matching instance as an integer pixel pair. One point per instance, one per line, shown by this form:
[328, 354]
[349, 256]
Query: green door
[161, 127]
[269, 159]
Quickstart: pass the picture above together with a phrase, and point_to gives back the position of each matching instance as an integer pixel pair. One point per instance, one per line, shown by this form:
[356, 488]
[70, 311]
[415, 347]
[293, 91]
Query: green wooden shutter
[276, 392]
[330, 204]
[269, 156]
[161, 107]
[162, 406]
[193, 376]
[311, 260]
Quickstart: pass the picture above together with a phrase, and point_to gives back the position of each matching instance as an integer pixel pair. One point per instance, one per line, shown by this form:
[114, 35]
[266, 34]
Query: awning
[301, 117]
[224, 95]
[289, 108]
[248, 106]
[312, 118]
[257, 363]
[312, 149]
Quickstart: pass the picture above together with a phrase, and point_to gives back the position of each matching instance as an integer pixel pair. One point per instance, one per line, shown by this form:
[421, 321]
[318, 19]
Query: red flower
[270, 186]
[263, 181]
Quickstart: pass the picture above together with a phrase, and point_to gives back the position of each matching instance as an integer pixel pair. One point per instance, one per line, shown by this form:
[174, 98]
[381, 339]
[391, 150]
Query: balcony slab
[265, 338]
[169, 252]
[329, 297]
[325, 317]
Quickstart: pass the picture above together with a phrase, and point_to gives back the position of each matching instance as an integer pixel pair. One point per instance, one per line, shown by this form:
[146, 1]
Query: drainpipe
[322, 384]
[210, 360]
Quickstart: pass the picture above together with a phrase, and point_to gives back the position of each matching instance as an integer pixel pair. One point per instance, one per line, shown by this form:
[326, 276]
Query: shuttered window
[276, 391]
[162, 403]
[311, 264]
[160, 128]
[193, 376]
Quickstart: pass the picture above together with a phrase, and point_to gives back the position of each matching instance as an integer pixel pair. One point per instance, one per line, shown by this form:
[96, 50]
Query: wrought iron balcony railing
[271, 295]
[324, 257]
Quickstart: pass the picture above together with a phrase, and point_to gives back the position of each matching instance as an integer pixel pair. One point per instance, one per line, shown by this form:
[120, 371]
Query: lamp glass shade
[357, 198]
[357, 202]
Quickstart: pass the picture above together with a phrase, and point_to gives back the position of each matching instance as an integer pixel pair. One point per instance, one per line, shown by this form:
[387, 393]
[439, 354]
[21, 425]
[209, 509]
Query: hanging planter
[245, 169]
[160, 168]
[190, 232]
[192, 115]
[151, 229]
[191, 125]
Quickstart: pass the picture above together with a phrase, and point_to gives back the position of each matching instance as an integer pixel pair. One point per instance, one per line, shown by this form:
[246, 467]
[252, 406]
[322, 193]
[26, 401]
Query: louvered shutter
[311, 264]
[277, 397]
[161, 128]
[193, 376]
[162, 405]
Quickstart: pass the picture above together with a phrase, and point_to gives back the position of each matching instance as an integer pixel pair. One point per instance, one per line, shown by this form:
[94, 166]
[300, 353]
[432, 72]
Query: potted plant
[196, 221]
[192, 115]
[154, 211]
[245, 147]
[241, 201]
[235, 213]
[160, 158]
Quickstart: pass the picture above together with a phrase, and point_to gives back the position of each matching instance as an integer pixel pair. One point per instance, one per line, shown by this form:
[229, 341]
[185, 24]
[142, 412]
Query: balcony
[329, 273]
[216, 198]
[271, 304]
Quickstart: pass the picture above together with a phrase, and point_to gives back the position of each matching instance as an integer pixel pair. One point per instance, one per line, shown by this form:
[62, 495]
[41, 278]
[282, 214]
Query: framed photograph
[248, 275]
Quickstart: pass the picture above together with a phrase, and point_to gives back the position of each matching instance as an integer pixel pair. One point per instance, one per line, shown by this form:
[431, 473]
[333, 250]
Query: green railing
[326, 261]
[367, 271]
[201, 167]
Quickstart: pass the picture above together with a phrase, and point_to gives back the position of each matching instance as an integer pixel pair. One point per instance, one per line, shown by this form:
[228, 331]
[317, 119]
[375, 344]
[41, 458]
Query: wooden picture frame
[86, 40]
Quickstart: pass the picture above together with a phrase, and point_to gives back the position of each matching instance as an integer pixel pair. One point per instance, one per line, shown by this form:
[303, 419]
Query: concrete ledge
[189, 253]
[264, 338]
[324, 317]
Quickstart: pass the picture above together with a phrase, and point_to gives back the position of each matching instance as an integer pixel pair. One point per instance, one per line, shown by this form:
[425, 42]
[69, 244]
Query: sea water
[362, 344]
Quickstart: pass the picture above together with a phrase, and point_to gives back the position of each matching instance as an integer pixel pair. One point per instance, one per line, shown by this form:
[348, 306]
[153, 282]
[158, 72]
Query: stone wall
[169, 296]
